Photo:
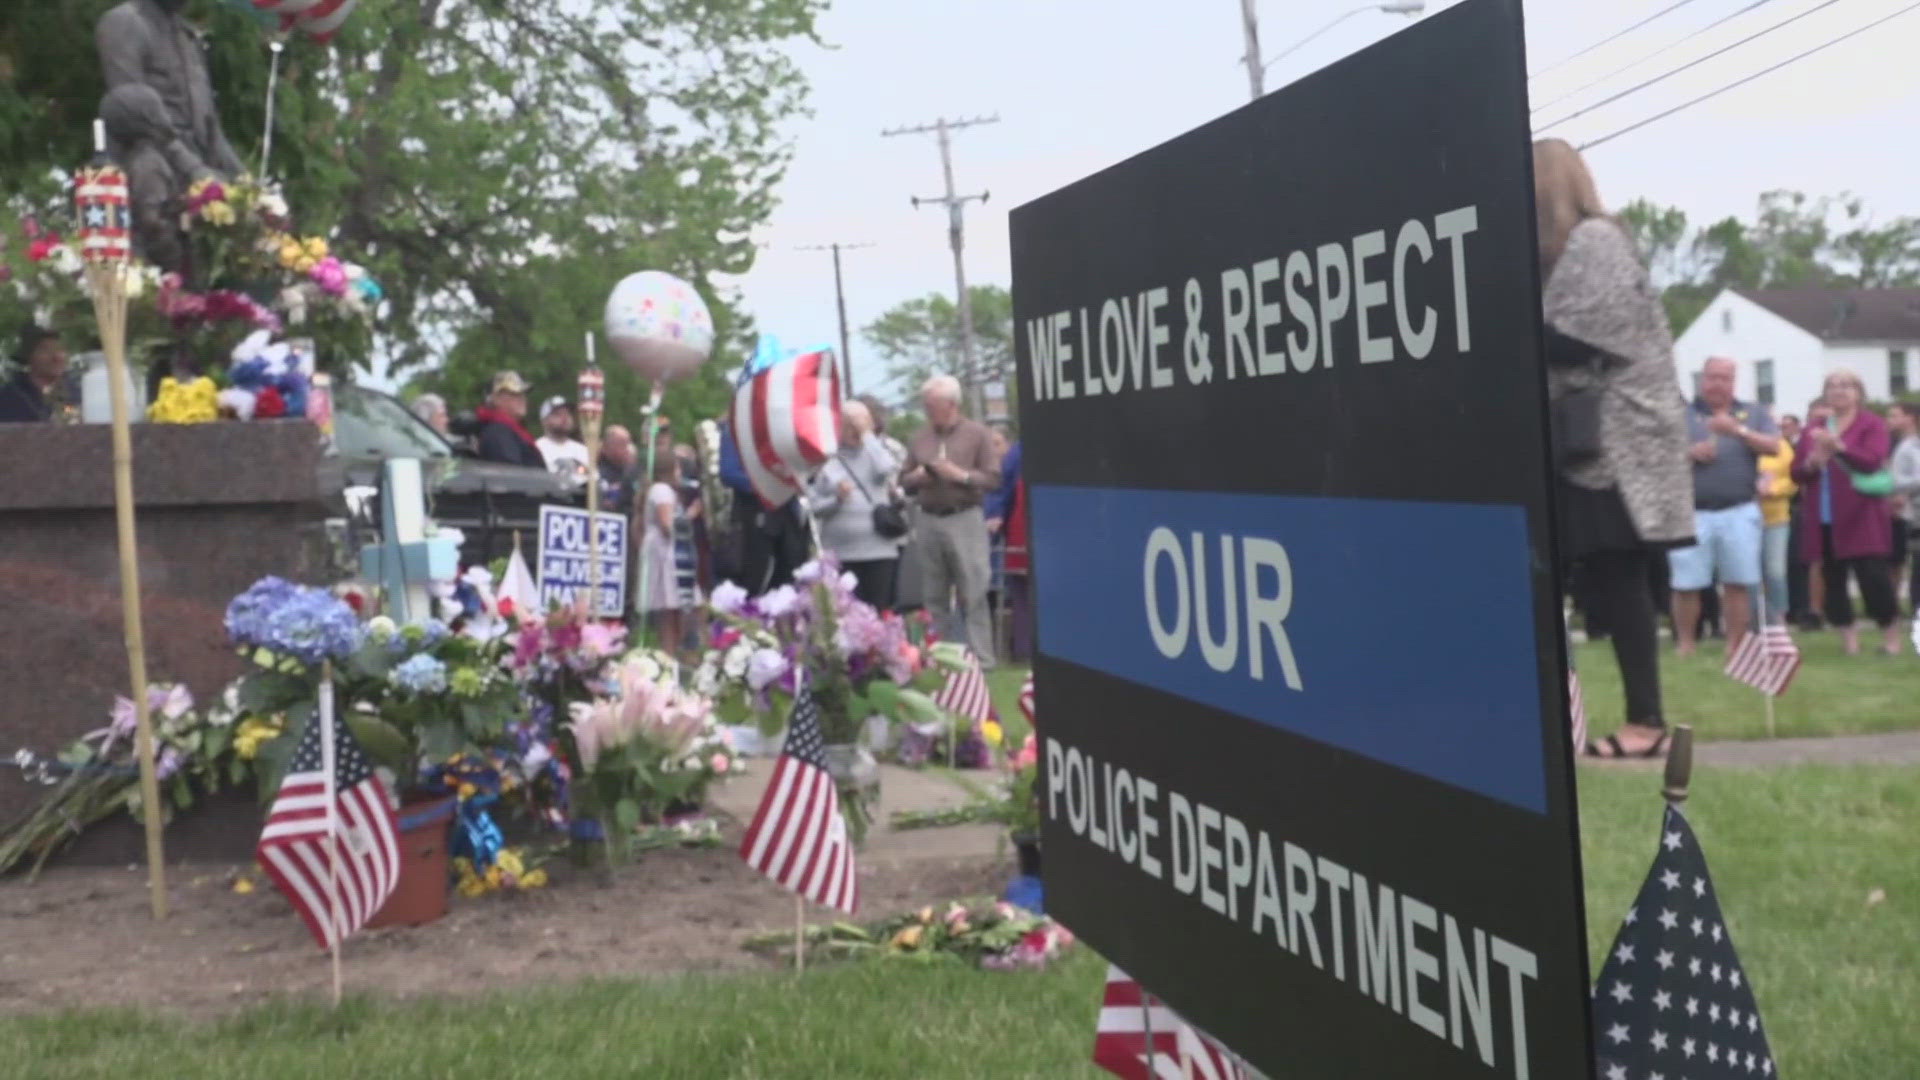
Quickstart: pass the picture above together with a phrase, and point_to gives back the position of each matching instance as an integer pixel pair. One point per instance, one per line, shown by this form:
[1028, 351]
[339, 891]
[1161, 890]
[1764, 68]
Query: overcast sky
[1081, 84]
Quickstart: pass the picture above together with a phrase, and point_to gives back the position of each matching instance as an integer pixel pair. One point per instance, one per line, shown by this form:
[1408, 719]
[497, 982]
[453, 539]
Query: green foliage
[485, 160]
[1794, 240]
[921, 337]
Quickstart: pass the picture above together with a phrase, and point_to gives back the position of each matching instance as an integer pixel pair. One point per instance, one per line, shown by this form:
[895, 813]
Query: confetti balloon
[659, 325]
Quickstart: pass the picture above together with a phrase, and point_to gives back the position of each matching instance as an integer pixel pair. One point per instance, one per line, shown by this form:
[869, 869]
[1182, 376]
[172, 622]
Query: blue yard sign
[566, 559]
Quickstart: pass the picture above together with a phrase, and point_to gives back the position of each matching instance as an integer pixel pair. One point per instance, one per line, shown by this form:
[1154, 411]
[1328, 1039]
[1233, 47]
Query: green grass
[1833, 694]
[1795, 855]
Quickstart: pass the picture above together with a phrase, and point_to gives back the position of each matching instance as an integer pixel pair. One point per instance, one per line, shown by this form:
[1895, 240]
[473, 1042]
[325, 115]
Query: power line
[1689, 65]
[1564, 61]
[1655, 55]
[1742, 82]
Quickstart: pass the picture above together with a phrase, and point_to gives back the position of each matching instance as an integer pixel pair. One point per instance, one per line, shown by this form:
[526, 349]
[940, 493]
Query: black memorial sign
[1301, 681]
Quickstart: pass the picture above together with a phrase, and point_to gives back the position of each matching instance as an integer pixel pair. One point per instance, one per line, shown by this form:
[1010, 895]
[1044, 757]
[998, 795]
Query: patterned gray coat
[1599, 293]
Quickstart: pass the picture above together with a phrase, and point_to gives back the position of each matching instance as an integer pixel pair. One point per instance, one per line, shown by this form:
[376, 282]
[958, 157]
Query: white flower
[706, 680]
[178, 700]
[808, 573]
[23, 758]
[765, 666]
[65, 260]
[381, 628]
[691, 763]
[735, 664]
[728, 598]
[272, 204]
[669, 765]
[780, 601]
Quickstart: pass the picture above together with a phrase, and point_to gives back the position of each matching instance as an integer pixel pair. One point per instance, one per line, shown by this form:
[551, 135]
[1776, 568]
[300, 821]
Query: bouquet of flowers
[859, 662]
[287, 632]
[994, 935]
[99, 774]
[646, 748]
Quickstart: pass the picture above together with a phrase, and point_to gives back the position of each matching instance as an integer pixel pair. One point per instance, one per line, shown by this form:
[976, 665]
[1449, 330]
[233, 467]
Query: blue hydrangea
[308, 624]
[420, 674]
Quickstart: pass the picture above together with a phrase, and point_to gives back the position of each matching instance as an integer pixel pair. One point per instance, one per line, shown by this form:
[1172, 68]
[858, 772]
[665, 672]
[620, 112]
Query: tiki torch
[591, 407]
[100, 200]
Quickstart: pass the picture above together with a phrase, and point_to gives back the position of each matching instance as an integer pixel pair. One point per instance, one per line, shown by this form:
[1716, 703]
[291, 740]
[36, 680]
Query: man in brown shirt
[951, 466]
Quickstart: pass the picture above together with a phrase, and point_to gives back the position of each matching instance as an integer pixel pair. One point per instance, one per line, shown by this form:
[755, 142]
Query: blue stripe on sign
[1410, 625]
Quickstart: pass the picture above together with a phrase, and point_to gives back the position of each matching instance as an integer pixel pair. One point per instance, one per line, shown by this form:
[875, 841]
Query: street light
[1257, 68]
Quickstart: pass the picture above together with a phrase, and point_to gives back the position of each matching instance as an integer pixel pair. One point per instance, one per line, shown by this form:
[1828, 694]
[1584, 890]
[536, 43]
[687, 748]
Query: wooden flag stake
[324, 717]
[1679, 765]
[799, 934]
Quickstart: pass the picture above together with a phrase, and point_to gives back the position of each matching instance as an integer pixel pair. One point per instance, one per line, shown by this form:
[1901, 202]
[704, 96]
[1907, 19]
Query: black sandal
[1616, 752]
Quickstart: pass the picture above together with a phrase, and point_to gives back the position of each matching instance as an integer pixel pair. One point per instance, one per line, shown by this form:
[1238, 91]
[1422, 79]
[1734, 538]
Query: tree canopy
[1794, 240]
[496, 164]
[921, 337]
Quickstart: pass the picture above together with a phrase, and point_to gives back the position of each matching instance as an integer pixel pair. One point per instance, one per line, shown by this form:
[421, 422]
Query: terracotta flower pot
[421, 895]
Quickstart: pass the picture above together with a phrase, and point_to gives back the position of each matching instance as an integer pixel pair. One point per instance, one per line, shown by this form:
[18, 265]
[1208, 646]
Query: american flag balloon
[100, 202]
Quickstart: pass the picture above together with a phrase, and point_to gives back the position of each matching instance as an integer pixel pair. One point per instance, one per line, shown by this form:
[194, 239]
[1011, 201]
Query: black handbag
[1574, 423]
[889, 518]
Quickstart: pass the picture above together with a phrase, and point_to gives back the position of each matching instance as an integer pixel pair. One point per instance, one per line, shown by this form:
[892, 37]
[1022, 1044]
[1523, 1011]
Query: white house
[1787, 340]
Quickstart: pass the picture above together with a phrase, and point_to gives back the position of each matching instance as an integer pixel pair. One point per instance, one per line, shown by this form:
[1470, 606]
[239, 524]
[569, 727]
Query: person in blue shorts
[1728, 438]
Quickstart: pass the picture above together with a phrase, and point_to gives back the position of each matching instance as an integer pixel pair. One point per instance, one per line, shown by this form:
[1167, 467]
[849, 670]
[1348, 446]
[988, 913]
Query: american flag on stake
[1673, 1000]
[786, 422]
[798, 837]
[1766, 659]
[965, 692]
[329, 842]
[1026, 698]
[1180, 1050]
[1577, 709]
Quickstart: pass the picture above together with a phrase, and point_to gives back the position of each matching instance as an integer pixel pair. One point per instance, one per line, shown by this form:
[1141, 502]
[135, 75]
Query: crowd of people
[1731, 516]
[938, 522]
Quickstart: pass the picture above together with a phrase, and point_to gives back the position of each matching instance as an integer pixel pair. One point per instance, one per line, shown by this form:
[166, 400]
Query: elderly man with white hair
[951, 469]
[432, 408]
[853, 483]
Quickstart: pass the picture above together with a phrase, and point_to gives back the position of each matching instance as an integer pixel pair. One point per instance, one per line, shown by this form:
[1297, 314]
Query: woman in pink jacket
[1847, 532]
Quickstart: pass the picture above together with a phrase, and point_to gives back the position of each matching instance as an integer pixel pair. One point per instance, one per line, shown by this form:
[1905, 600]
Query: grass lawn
[1833, 694]
[1795, 855]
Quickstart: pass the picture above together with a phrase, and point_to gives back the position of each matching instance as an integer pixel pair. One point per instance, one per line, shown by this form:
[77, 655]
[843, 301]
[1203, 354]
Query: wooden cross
[406, 559]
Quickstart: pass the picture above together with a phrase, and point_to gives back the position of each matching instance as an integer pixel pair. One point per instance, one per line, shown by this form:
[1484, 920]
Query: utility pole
[955, 204]
[840, 298]
[1256, 68]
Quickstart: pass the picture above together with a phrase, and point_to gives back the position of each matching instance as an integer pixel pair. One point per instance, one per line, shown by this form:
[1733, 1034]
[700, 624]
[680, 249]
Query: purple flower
[168, 764]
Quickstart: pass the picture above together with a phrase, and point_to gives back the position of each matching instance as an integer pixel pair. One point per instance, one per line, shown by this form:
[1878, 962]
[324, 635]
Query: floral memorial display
[859, 664]
[991, 934]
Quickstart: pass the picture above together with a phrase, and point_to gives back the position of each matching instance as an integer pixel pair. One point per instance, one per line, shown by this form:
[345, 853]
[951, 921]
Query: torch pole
[592, 406]
[100, 198]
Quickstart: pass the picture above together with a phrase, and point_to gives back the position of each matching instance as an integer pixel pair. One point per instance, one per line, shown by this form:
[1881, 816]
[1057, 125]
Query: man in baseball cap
[564, 453]
[502, 437]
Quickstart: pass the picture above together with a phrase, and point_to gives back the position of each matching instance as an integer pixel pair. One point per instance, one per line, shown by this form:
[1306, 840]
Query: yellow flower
[252, 733]
[290, 253]
[316, 248]
[509, 862]
[305, 264]
[908, 937]
[990, 731]
[467, 791]
[534, 879]
[219, 213]
[243, 886]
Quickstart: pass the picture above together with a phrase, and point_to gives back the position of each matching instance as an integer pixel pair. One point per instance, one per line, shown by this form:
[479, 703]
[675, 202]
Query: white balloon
[659, 325]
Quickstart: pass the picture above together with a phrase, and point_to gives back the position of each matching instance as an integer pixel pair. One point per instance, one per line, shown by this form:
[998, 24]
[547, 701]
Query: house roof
[1845, 314]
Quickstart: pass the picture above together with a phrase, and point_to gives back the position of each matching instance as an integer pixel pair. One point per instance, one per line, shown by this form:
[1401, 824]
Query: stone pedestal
[218, 506]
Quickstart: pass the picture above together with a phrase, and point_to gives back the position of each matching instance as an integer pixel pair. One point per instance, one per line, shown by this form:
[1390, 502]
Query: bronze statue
[159, 113]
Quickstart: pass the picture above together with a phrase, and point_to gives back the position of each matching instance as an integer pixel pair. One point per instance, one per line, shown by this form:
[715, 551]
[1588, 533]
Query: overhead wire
[1565, 60]
[1688, 66]
[1682, 107]
[1655, 55]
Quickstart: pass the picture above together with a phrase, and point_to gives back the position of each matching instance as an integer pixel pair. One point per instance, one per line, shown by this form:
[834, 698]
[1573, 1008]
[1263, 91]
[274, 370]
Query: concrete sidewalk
[1893, 748]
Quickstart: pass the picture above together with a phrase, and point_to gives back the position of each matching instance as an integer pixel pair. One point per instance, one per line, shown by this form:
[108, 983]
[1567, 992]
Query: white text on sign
[1408, 956]
[1253, 575]
[1340, 302]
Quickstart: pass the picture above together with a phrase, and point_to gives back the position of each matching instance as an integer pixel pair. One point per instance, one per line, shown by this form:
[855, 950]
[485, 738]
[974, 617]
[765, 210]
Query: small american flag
[1766, 660]
[1026, 698]
[1577, 709]
[798, 837]
[329, 841]
[786, 422]
[1672, 999]
[1180, 1050]
[965, 693]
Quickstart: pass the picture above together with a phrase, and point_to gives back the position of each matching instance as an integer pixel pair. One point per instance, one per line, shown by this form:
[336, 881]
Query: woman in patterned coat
[1625, 492]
